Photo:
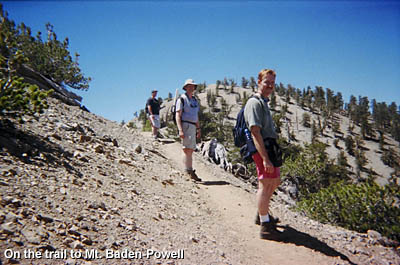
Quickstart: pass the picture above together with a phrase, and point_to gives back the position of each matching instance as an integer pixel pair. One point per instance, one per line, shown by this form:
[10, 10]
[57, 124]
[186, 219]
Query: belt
[194, 123]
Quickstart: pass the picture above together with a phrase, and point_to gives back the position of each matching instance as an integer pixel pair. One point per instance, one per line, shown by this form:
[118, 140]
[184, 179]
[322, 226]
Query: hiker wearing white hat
[189, 82]
[187, 120]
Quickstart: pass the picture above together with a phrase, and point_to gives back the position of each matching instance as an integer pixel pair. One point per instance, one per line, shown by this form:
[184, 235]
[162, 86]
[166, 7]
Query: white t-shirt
[190, 107]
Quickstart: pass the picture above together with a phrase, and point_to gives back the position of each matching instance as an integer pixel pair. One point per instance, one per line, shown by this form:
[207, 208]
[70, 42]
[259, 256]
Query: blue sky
[132, 47]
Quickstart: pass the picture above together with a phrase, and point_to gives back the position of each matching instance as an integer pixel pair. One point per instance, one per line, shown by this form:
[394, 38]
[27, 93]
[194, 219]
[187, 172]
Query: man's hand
[268, 166]
[181, 134]
[259, 144]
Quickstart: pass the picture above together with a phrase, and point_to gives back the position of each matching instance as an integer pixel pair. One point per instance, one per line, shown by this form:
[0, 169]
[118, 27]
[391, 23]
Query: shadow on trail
[215, 183]
[291, 235]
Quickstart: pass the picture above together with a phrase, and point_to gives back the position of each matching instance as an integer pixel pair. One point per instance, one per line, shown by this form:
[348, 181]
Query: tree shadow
[27, 146]
[291, 235]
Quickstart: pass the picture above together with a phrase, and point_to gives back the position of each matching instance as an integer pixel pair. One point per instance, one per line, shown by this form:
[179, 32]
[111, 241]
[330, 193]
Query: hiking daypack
[239, 133]
[242, 138]
[173, 110]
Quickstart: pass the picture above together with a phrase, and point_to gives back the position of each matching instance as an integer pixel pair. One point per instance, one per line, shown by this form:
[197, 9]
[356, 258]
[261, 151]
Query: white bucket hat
[189, 82]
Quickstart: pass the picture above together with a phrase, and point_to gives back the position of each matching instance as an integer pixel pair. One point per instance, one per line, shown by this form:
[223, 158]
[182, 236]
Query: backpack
[173, 110]
[240, 132]
[242, 138]
[239, 136]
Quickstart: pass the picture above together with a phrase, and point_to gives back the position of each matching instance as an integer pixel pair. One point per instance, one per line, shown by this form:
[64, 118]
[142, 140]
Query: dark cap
[154, 91]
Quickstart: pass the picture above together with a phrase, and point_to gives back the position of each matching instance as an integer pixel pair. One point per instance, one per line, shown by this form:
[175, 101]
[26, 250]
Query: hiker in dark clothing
[153, 109]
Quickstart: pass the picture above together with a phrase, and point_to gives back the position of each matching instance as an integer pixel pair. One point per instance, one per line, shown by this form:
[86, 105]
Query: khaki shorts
[190, 135]
[155, 121]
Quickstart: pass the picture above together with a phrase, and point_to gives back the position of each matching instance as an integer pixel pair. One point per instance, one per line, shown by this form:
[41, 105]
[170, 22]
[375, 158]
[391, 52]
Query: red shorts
[261, 173]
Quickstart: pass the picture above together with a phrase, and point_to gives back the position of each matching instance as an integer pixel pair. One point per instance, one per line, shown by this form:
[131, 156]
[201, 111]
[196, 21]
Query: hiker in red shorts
[259, 120]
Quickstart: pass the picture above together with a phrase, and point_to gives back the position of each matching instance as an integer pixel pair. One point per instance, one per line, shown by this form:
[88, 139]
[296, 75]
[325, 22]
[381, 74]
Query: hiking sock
[264, 218]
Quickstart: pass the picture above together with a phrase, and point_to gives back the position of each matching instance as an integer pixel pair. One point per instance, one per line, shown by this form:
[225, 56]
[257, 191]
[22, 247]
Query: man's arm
[259, 144]
[150, 110]
[179, 123]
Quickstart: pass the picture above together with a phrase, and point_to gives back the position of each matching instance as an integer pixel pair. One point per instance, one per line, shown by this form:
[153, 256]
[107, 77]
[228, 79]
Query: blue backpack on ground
[242, 138]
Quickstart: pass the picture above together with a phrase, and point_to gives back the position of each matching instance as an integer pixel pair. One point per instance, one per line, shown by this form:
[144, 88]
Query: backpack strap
[183, 103]
[262, 105]
[259, 99]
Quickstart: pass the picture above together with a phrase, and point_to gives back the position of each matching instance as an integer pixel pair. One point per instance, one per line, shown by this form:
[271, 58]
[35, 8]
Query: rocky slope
[75, 184]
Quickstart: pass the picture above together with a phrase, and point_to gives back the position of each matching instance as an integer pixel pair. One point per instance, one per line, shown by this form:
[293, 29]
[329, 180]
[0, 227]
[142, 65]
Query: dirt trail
[237, 208]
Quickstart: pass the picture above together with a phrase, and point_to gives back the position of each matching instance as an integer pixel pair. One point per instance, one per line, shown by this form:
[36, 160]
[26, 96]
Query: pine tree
[319, 97]
[342, 160]
[314, 132]
[17, 97]
[233, 84]
[225, 83]
[338, 102]
[336, 143]
[351, 107]
[306, 122]
[218, 83]
[381, 141]
[349, 143]
[253, 84]
[272, 102]
[330, 100]
[361, 161]
[245, 82]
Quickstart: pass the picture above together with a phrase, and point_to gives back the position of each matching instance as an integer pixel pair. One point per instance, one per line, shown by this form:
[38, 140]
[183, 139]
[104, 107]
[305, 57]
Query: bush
[147, 126]
[311, 170]
[389, 158]
[358, 207]
[18, 98]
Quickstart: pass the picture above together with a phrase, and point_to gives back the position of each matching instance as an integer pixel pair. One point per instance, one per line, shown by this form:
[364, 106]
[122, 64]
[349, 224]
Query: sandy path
[237, 207]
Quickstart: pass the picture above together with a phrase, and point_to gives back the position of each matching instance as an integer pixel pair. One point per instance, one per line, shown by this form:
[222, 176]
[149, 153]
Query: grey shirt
[190, 108]
[257, 113]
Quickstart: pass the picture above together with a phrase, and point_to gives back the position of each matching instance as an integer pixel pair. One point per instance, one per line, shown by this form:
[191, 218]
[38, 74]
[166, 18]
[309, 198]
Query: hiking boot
[268, 231]
[193, 176]
[271, 219]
